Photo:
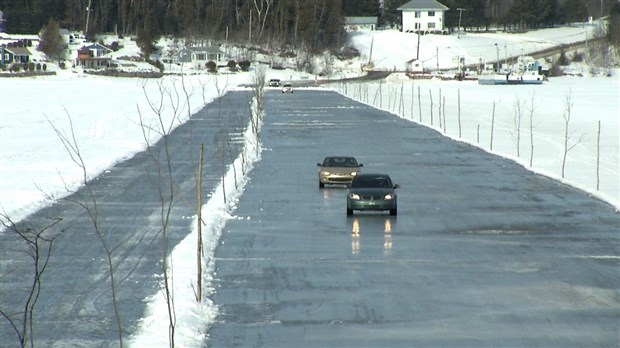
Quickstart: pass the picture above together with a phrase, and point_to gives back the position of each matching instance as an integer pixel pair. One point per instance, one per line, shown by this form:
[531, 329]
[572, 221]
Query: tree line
[510, 14]
[310, 24]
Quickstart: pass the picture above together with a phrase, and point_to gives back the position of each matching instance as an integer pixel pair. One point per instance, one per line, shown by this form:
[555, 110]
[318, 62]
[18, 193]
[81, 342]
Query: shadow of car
[374, 192]
[338, 170]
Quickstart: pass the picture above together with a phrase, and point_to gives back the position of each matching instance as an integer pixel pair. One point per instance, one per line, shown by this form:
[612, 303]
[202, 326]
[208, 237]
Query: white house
[198, 56]
[415, 66]
[360, 23]
[93, 56]
[423, 16]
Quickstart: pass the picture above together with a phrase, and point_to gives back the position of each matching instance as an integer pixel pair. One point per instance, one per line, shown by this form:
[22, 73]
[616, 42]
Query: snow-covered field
[104, 114]
[530, 123]
[391, 49]
[105, 119]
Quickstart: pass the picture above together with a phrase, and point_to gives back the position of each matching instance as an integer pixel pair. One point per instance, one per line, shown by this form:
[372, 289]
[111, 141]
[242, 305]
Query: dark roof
[20, 51]
[415, 5]
[360, 20]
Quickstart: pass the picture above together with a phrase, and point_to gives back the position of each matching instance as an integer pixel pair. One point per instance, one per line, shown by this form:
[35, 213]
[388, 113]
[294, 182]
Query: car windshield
[340, 162]
[376, 181]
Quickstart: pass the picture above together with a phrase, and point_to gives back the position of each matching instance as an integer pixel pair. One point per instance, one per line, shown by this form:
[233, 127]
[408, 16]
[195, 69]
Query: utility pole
[417, 55]
[497, 48]
[372, 42]
[250, 28]
[458, 34]
[87, 18]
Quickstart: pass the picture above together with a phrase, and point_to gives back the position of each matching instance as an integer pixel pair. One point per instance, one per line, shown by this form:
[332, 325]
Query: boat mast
[372, 41]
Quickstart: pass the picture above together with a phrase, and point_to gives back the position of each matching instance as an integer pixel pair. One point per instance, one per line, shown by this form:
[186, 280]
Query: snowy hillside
[392, 49]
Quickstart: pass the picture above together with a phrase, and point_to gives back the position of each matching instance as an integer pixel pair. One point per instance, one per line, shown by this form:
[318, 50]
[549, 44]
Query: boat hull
[499, 79]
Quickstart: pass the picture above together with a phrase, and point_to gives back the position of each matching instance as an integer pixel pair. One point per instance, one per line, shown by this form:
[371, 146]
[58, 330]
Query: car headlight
[354, 196]
[325, 172]
[389, 197]
[353, 173]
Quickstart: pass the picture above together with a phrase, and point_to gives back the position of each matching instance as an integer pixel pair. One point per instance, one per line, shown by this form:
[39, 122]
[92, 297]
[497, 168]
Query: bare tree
[492, 127]
[598, 156]
[517, 115]
[89, 205]
[459, 113]
[430, 94]
[533, 107]
[222, 138]
[164, 183]
[39, 249]
[443, 115]
[568, 143]
[258, 86]
[199, 227]
[419, 104]
[262, 8]
[439, 112]
[412, 97]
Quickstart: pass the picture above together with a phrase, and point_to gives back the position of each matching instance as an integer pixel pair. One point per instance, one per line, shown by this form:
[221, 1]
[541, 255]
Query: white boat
[527, 71]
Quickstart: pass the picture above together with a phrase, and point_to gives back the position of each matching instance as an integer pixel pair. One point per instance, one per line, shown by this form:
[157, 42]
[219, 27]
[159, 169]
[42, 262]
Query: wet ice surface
[482, 253]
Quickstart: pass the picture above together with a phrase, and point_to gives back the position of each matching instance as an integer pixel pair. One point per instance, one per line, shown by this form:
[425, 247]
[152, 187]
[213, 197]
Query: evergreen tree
[614, 25]
[548, 14]
[51, 42]
[144, 40]
[472, 13]
[363, 8]
[390, 15]
[575, 10]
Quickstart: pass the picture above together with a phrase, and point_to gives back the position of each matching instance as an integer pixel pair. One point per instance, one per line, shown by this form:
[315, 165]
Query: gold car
[338, 170]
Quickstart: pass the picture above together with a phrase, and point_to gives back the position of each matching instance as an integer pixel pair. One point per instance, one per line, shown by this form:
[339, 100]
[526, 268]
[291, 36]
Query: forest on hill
[313, 25]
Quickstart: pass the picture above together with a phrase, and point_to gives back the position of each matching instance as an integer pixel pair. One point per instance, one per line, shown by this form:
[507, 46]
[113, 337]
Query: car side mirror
[318, 164]
[396, 186]
[360, 165]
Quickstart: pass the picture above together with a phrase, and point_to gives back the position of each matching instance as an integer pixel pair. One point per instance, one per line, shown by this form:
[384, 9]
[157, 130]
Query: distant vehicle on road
[338, 170]
[287, 88]
[372, 192]
[274, 83]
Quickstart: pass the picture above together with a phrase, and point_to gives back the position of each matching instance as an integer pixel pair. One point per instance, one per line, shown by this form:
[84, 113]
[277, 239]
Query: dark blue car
[372, 192]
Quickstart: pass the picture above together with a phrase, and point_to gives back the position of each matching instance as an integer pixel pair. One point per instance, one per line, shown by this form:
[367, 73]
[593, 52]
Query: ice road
[483, 253]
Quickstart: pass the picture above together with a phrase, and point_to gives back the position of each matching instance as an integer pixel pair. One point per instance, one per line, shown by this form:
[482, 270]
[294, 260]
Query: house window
[431, 13]
[417, 26]
[431, 25]
[201, 56]
[417, 14]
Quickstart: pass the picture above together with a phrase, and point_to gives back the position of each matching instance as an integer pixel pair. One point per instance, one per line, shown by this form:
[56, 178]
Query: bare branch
[39, 249]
